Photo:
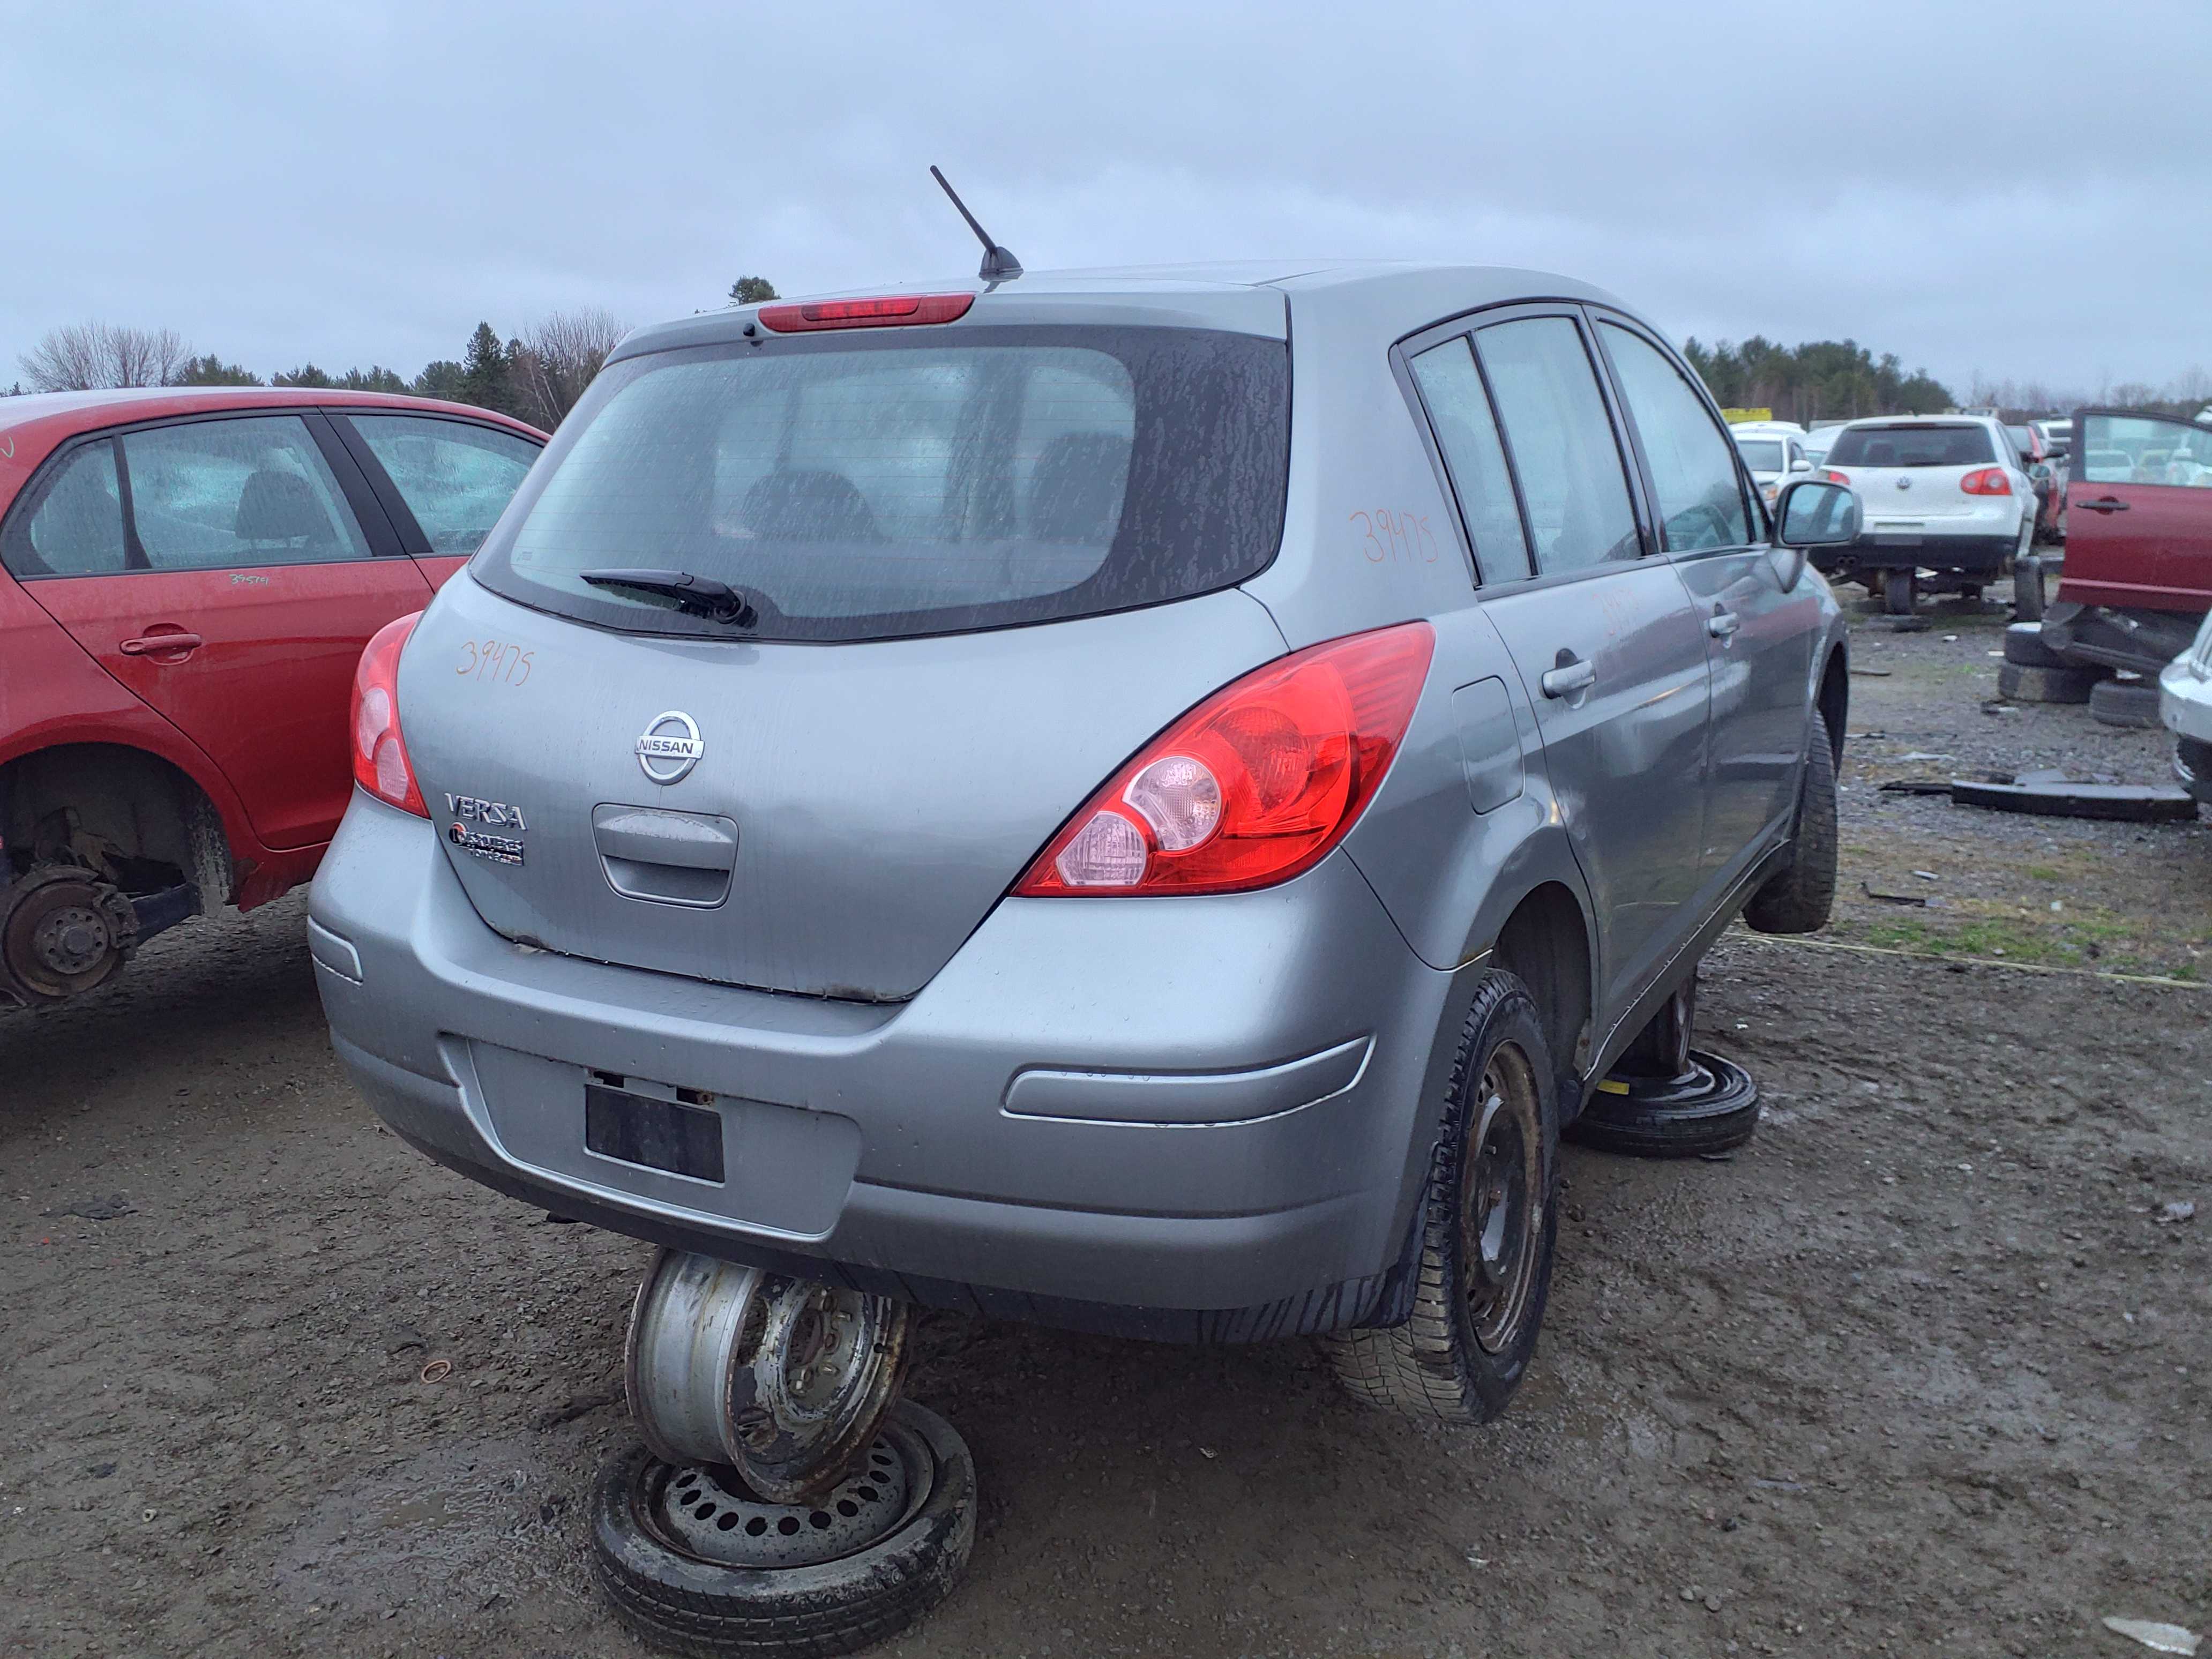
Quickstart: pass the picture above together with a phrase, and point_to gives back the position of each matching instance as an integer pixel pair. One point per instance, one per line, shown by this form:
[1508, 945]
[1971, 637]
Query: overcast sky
[2022, 190]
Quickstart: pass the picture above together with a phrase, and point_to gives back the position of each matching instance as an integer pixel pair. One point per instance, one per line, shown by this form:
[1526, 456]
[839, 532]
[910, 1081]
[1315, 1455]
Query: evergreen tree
[488, 371]
[307, 375]
[212, 370]
[444, 379]
[751, 291]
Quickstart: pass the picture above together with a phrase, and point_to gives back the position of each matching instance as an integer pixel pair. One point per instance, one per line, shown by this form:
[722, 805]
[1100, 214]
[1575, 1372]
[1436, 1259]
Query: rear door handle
[2109, 504]
[1723, 624]
[156, 645]
[1572, 675]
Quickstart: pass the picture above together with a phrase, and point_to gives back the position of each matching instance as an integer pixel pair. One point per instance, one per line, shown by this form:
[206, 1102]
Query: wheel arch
[1548, 942]
[130, 802]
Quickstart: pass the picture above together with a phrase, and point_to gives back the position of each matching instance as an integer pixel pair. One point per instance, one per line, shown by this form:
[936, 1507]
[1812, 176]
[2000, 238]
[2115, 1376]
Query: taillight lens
[1990, 481]
[888, 311]
[379, 753]
[1834, 476]
[1254, 786]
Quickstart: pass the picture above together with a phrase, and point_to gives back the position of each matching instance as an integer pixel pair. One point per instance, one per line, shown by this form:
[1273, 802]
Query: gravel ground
[1919, 1370]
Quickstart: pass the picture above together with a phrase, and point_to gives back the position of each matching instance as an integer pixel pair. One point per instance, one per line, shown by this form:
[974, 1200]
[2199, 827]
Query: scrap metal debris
[2049, 794]
[2158, 1638]
[95, 1209]
[2179, 1210]
[1916, 787]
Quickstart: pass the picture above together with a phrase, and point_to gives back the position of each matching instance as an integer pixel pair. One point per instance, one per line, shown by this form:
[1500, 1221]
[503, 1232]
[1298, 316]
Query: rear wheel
[1797, 898]
[1489, 1228]
[1900, 593]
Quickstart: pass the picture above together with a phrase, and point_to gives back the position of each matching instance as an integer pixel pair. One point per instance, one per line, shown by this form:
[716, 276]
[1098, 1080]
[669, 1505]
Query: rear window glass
[1912, 445]
[1761, 454]
[865, 488]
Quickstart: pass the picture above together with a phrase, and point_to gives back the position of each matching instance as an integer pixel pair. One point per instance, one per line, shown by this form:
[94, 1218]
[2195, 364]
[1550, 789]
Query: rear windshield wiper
[695, 596]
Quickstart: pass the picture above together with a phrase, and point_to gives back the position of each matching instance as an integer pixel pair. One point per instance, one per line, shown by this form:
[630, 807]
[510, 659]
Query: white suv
[1774, 451]
[1946, 495]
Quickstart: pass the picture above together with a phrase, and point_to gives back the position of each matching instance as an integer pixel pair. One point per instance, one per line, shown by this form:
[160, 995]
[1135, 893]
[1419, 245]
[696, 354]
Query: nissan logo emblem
[670, 747]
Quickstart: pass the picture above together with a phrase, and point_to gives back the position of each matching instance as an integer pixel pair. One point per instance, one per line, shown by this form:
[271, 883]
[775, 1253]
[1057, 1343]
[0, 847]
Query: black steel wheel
[63, 932]
[1489, 1230]
[1710, 1106]
[696, 1564]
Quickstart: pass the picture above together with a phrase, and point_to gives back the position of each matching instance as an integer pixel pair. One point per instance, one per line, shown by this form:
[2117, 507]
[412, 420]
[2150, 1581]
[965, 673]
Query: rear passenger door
[444, 481]
[2139, 520]
[1604, 637]
[228, 570]
[1758, 634]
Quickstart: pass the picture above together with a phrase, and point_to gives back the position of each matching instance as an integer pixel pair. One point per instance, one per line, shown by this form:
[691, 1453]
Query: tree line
[1819, 381]
[536, 376]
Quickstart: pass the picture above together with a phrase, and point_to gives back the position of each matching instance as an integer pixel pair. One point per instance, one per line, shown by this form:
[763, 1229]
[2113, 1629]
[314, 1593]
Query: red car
[187, 578]
[2137, 579]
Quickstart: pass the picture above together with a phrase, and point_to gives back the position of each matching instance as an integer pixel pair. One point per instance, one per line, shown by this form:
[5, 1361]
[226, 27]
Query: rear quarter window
[860, 488]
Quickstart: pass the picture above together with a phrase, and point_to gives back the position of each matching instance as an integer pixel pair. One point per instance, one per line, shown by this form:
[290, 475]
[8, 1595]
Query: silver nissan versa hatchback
[1139, 801]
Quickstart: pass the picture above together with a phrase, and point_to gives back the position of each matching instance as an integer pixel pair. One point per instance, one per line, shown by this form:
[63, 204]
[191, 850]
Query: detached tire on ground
[1489, 1228]
[2019, 684]
[1712, 1108]
[652, 1526]
[2131, 703]
[1797, 898]
[2024, 645]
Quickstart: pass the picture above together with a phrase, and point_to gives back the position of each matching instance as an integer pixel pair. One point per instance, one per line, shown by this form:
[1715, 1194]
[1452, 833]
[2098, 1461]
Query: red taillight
[1834, 476]
[891, 310]
[1254, 786]
[379, 753]
[1990, 481]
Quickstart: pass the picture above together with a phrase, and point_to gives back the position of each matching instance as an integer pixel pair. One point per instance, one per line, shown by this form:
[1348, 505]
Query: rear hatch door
[1907, 476]
[982, 566]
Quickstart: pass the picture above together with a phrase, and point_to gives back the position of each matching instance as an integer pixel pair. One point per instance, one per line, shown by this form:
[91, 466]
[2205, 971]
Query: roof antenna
[999, 263]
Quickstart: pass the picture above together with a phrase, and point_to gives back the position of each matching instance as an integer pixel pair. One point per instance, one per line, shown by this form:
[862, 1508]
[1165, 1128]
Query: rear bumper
[1200, 1119]
[2184, 701]
[1974, 553]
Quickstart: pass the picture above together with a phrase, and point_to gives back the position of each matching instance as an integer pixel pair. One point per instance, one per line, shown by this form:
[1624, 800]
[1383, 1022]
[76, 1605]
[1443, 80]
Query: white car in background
[1945, 495]
[2185, 705]
[1818, 439]
[1773, 450]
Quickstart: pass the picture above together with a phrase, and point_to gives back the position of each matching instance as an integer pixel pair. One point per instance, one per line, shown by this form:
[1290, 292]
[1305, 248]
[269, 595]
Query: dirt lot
[1920, 1369]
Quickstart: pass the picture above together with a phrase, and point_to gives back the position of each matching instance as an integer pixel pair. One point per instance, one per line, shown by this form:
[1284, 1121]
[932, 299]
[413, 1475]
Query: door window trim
[1747, 488]
[1464, 325]
[359, 498]
[412, 541]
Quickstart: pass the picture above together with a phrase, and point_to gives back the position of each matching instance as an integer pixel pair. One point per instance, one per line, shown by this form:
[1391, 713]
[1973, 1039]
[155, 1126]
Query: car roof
[66, 412]
[1926, 420]
[1393, 298]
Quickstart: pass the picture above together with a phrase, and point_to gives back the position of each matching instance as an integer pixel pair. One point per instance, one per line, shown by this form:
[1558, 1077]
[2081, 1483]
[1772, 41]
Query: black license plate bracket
[654, 1133]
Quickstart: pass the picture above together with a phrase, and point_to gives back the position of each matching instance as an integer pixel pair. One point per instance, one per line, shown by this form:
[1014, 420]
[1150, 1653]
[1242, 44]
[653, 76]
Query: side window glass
[1693, 460]
[76, 529]
[456, 478]
[1563, 451]
[1467, 432]
[219, 495]
[2136, 449]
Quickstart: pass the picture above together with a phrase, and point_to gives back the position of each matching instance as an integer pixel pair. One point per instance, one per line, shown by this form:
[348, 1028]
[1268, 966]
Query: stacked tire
[2033, 672]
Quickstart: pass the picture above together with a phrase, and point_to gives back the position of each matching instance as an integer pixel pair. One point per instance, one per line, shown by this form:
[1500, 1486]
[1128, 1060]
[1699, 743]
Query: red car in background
[187, 578]
[2137, 579]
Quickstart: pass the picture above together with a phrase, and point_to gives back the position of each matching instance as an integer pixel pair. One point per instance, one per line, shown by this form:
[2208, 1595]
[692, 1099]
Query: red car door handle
[155, 645]
[2110, 504]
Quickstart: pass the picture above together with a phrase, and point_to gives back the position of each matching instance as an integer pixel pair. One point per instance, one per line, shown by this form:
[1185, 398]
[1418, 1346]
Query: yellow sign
[1734, 417]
